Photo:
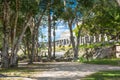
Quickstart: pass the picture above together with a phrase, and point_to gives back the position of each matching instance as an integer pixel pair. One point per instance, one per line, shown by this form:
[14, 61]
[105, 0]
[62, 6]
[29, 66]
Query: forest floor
[54, 71]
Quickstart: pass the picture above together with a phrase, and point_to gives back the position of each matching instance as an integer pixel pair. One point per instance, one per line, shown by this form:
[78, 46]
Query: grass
[24, 71]
[114, 62]
[104, 75]
[63, 48]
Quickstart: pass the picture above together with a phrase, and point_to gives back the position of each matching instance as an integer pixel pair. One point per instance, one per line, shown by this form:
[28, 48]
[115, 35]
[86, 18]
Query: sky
[60, 28]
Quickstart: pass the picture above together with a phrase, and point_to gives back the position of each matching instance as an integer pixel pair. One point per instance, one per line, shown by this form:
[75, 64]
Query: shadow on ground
[60, 70]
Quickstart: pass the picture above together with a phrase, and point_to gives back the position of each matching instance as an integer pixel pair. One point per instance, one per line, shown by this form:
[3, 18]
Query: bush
[82, 59]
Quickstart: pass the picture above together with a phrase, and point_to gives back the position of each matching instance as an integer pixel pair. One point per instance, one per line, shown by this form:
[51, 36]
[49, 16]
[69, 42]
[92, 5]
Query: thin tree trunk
[72, 40]
[15, 23]
[54, 42]
[37, 43]
[34, 34]
[33, 47]
[14, 35]
[78, 38]
[28, 49]
[14, 57]
[49, 36]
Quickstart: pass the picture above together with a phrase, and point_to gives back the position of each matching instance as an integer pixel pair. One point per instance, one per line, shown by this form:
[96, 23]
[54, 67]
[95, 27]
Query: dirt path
[70, 71]
[65, 71]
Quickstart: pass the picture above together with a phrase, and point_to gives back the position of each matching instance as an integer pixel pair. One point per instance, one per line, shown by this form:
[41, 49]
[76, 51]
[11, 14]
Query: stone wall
[93, 53]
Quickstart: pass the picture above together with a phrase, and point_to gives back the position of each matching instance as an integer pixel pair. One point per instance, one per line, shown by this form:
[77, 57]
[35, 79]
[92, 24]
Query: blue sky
[60, 28]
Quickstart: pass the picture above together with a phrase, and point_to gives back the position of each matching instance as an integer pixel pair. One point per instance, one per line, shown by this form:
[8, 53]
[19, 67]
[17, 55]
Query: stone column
[100, 38]
[105, 37]
[59, 42]
[80, 40]
[94, 39]
[64, 42]
[84, 40]
[89, 38]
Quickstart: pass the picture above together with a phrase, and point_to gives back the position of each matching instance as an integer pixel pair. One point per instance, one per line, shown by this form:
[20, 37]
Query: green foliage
[57, 9]
[114, 62]
[1, 35]
[105, 18]
[76, 30]
[63, 48]
[24, 70]
[104, 75]
[82, 59]
[22, 57]
[29, 6]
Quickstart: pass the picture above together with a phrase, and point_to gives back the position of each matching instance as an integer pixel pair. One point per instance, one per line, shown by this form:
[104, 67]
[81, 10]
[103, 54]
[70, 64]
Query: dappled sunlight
[104, 75]
[70, 70]
[56, 70]
[58, 74]
[59, 39]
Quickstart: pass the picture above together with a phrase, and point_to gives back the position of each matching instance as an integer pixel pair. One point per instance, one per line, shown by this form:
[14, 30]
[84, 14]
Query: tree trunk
[78, 38]
[14, 52]
[28, 49]
[54, 42]
[15, 23]
[5, 56]
[14, 57]
[36, 43]
[33, 47]
[34, 33]
[25, 46]
[118, 1]
[72, 40]
[49, 36]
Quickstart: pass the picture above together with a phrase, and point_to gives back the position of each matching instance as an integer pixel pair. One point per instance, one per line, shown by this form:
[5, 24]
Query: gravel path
[70, 71]
[66, 71]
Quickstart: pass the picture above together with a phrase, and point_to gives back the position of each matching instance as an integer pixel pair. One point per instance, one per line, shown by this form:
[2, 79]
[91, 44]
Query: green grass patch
[63, 48]
[104, 75]
[114, 62]
[24, 71]
[19, 69]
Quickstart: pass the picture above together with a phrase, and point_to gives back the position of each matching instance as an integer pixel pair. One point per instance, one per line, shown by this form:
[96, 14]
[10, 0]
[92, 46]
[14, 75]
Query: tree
[69, 16]
[56, 9]
[74, 12]
[47, 5]
[24, 12]
[30, 15]
[5, 20]
[105, 19]
[118, 1]
[49, 31]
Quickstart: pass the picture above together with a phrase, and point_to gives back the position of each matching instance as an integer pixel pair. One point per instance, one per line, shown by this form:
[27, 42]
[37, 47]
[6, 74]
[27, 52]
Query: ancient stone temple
[64, 39]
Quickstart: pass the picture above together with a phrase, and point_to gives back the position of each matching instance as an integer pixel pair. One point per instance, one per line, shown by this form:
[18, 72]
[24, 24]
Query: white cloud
[61, 27]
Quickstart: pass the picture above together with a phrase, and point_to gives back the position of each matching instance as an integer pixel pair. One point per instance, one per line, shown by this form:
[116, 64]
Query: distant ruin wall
[93, 53]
